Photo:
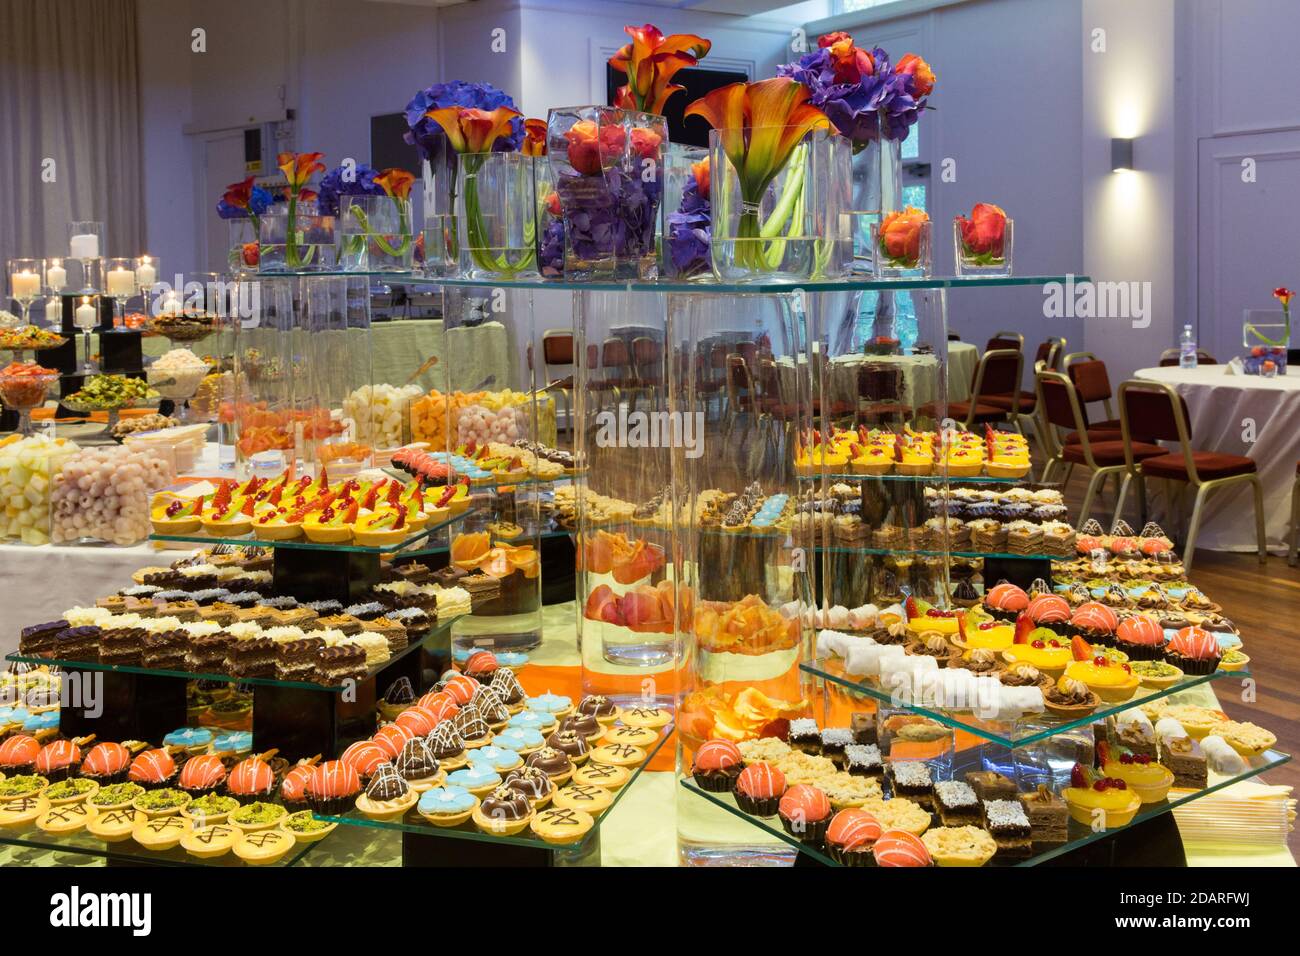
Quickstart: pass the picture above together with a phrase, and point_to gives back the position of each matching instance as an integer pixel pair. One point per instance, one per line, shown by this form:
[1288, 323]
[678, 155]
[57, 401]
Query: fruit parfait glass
[24, 386]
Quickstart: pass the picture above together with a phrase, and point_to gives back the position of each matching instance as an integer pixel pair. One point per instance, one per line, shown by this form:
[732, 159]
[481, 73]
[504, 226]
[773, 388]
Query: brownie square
[834, 742]
[863, 760]
[805, 735]
[957, 804]
[912, 779]
[1008, 824]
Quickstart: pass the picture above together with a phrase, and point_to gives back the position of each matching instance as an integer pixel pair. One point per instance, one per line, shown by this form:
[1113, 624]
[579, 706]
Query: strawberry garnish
[247, 510]
[1077, 777]
[909, 607]
[401, 518]
[372, 495]
[394, 493]
[1024, 624]
[351, 515]
[1101, 753]
[1081, 649]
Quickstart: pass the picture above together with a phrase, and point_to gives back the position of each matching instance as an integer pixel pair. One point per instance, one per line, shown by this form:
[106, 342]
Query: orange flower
[985, 231]
[534, 138]
[900, 234]
[1283, 295]
[592, 147]
[299, 167]
[700, 171]
[919, 70]
[473, 131]
[650, 62]
[395, 182]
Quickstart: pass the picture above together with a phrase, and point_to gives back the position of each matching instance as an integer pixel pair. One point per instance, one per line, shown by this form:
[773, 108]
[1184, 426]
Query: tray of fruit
[29, 337]
[25, 384]
[107, 393]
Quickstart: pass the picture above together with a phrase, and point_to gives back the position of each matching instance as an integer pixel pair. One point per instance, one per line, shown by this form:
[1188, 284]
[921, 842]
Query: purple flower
[690, 232]
[259, 201]
[426, 135]
[550, 257]
[333, 185]
[618, 220]
[881, 103]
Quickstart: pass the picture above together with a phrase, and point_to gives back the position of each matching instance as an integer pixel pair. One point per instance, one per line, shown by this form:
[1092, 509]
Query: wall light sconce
[1121, 154]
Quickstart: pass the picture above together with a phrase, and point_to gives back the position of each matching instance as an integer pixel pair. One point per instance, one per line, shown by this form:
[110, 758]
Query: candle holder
[119, 284]
[56, 276]
[25, 283]
[54, 312]
[86, 317]
[86, 245]
[146, 275]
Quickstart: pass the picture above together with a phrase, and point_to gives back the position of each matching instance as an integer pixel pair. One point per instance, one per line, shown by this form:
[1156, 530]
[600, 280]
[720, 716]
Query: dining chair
[1062, 415]
[1088, 375]
[1293, 539]
[1005, 340]
[557, 355]
[996, 373]
[1170, 357]
[1157, 412]
[1025, 403]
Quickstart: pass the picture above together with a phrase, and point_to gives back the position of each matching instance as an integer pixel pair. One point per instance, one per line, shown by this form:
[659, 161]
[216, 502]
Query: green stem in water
[1276, 343]
[476, 230]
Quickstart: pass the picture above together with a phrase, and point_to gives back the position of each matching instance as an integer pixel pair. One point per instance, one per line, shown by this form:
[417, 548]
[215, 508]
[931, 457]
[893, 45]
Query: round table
[1242, 415]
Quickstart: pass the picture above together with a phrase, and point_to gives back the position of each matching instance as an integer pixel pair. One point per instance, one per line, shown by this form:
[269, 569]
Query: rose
[983, 234]
[592, 147]
[850, 63]
[900, 234]
[646, 142]
[920, 72]
[700, 172]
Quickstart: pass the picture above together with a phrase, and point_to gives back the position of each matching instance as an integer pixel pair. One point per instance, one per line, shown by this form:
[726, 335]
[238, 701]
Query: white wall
[1005, 112]
[1128, 216]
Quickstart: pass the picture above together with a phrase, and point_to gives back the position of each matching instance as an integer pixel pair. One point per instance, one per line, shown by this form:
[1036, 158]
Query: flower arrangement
[298, 169]
[1268, 352]
[346, 180]
[650, 62]
[903, 239]
[689, 229]
[377, 223]
[759, 129]
[861, 92]
[499, 241]
[983, 241]
[245, 201]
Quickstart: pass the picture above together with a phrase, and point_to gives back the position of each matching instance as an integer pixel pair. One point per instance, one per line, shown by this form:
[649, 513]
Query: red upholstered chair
[1048, 355]
[1158, 413]
[1091, 381]
[1005, 340]
[997, 373]
[557, 356]
[1062, 414]
[1172, 356]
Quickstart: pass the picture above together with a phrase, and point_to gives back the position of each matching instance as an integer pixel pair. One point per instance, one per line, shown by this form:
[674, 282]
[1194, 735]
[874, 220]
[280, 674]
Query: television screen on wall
[387, 148]
[698, 81]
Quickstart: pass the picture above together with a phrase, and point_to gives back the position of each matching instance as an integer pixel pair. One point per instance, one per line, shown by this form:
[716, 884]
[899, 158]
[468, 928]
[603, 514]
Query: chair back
[1005, 340]
[1060, 411]
[593, 357]
[615, 358]
[998, 373]
[648, 359]
[1171, 357]
[557, 347]
[1091, 380]
[1154, 411]
[1049, 353]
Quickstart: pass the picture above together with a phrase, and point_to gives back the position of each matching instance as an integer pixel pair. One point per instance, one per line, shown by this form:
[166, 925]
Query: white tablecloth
[1226, 411]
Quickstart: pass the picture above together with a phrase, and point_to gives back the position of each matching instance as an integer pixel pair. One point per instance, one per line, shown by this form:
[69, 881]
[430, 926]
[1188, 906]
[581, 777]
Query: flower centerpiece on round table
[1268, 342]
[242, 205]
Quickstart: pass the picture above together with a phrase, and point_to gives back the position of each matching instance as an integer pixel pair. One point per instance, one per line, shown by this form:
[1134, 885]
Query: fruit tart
[1092, 797]
[172, 514]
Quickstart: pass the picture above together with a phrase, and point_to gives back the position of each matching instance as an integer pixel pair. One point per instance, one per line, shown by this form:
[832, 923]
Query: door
[223, 163]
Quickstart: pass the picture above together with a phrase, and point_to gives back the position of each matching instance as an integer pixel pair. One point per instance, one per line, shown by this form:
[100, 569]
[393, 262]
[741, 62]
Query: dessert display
[877, 452]
[105, 393]
[27, 470]
[103, 494]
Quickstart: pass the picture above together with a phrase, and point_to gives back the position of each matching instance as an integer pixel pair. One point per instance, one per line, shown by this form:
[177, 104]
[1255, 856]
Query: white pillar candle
[56, 277]
[121, 283]
[145, 274]
[25, 285]
[54, 311]
[86, 316]
[84, 245]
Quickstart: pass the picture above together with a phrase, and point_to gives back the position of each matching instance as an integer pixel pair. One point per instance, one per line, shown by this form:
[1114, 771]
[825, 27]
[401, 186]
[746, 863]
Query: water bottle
[1187, 348]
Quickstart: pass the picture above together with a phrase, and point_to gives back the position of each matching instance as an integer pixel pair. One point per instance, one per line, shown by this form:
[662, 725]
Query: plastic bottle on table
[1187, 348]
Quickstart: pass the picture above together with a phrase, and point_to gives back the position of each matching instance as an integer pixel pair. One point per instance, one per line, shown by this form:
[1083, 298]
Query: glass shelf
[1020, 732]
[436, 631]
[416, 824]
[935, 478]
[971, 759]
[301, 544]
[930, 553]
[846, 284]
[84, 843]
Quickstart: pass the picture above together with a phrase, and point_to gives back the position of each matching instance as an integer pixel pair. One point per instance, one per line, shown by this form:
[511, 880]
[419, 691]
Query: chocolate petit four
[991, 785]
[1049, 818]
[912, 779]
[1008, 824]
[956, 804]
[863, 760]
[805, 735]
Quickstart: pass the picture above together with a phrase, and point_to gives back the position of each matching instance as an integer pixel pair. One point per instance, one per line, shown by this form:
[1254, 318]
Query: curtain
[69, 96]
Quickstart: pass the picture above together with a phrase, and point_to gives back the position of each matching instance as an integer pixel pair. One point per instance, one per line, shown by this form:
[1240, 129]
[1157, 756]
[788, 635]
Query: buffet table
[1224, 410]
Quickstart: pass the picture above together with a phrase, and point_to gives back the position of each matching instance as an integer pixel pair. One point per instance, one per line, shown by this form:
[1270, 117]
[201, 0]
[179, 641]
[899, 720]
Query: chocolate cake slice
[207, 653]
[254, 657]
[164, 650]
[339, 663]
[121, 645]
[296, 659]
[40, 638]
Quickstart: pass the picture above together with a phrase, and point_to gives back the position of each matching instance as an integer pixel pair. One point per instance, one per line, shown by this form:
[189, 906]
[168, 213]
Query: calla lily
[471, 130]
[650, 62]
[299, 167]
[395, 182]
[760, 125]
[1283, 295]
[239, 194]
[700, 172]
[534, 138]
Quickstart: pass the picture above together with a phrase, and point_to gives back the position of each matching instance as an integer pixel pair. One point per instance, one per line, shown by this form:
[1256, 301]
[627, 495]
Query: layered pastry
[1048, 818]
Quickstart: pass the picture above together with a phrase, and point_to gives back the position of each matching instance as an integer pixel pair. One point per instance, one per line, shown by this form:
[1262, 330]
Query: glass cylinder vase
[375, 234]
[902, 246]
[438, 170]
[496, 212]
[786, 224]
[608, 170]
[1266, 336]
[243, 253]
[550, 223]
[684, 250]
[306, 246]
[877, 189]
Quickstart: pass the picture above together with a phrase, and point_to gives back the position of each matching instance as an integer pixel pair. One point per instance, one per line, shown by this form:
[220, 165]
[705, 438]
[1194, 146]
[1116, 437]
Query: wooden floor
[1264, 602]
